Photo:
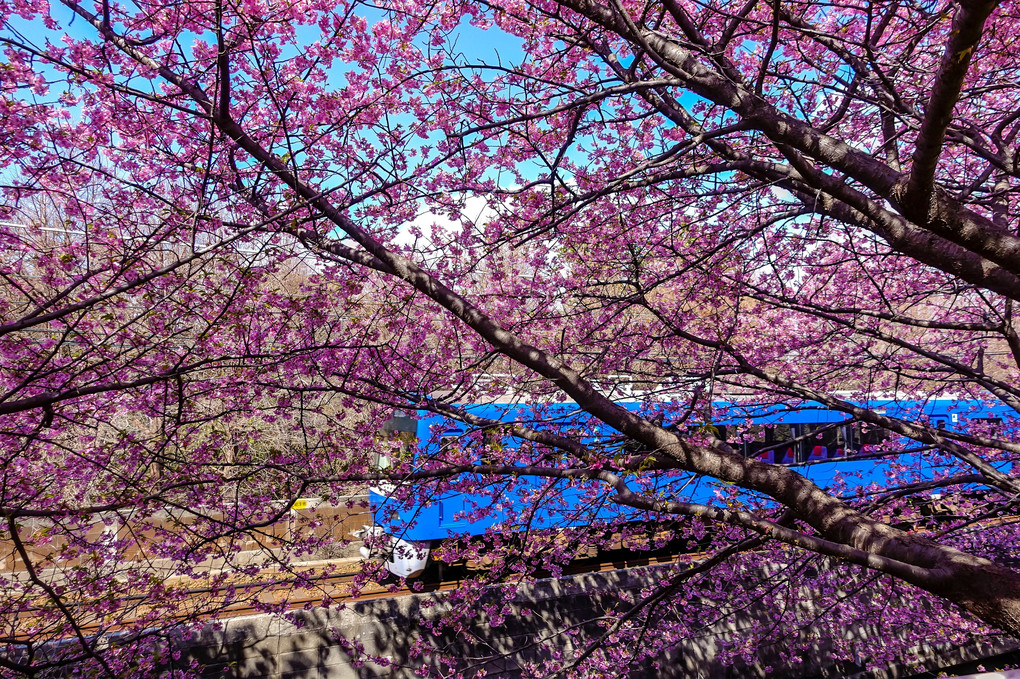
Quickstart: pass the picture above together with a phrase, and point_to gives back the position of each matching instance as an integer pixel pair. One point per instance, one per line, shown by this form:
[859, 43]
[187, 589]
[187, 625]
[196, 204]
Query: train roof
[737, 411]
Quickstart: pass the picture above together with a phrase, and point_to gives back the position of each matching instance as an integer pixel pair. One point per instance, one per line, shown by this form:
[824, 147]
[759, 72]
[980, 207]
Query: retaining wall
[324, 644]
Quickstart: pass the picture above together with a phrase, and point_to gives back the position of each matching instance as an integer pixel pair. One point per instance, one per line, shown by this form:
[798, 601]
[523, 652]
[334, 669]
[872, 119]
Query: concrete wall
[324, 644]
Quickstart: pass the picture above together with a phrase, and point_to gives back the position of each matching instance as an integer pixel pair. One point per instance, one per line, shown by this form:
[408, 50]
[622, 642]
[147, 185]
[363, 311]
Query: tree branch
[968, 24]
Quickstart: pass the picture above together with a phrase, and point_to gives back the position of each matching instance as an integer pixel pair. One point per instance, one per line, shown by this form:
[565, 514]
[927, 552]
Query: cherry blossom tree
[224, 218]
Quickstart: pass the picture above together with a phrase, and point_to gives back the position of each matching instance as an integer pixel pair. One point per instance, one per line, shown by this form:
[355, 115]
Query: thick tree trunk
[985, 589]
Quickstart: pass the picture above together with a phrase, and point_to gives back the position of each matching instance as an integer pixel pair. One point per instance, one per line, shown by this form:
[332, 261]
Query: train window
[395, 443]
[381, 461]
[822, 441]
[984, 426]
[399, 439]
[781, 433]
[986, 420]
[754, 439]
[870, 437]
[765, 443]
[844, 443]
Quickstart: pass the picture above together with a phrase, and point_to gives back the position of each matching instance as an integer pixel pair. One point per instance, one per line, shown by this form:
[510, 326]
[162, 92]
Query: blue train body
[809, 437]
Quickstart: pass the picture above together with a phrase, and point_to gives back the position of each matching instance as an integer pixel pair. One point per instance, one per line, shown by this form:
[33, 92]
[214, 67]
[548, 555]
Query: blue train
[824, 444]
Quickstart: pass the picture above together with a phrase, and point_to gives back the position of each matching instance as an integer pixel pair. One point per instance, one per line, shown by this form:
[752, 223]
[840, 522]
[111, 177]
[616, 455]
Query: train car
[822, 443]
